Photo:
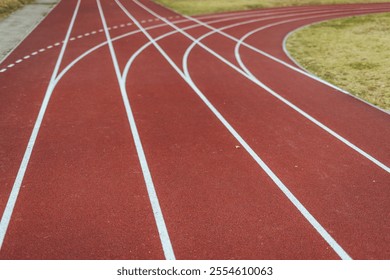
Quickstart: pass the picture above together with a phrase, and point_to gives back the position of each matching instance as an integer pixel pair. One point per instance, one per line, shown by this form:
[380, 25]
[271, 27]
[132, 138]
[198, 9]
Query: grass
[196, 7]
[9, 6]
[352, 53]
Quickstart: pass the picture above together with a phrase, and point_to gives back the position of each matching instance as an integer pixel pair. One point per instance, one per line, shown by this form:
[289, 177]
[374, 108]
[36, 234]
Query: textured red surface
[84, 196]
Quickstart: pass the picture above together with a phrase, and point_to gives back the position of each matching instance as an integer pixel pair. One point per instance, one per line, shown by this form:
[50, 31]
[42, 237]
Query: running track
[131, 132]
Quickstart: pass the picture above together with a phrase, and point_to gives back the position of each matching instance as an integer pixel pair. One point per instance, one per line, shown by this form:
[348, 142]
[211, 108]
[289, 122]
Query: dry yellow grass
[8, 6]
[352, 53]
[196, 7]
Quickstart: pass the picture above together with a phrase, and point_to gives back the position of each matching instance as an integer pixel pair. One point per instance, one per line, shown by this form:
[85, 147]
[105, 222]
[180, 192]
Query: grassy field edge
[350, 53]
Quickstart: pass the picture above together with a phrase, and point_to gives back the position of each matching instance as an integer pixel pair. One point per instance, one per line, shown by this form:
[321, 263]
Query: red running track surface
[132, 132]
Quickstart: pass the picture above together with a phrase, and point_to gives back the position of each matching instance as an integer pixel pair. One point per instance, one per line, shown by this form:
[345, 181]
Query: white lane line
[11, 65]
[34, 53]
[26, 158]
[26, 57]
[3, 70]
[19, 60]
[57, 44]
[158, 215]
[185, 75]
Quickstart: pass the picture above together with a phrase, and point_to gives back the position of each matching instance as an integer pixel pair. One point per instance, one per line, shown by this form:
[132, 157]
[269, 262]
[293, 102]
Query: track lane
[20, 101]
[8, 211]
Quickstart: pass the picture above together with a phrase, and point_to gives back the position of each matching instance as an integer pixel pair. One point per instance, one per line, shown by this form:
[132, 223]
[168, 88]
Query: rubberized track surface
[131, 132]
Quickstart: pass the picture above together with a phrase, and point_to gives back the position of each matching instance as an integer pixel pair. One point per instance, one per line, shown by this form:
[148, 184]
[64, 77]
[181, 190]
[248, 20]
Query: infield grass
[352, 53]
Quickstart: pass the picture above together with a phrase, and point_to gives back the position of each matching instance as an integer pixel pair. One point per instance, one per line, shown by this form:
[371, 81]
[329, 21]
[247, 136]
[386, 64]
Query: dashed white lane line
[73, 39]
[60, 43]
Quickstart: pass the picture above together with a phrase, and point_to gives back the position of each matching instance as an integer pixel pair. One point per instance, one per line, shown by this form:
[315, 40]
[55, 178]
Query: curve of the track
[85, 193]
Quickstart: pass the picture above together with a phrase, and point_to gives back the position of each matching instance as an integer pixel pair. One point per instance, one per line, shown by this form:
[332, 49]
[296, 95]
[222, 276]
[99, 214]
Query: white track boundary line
[162, 229]
[325, 235]
[272, 92]
[26, 158]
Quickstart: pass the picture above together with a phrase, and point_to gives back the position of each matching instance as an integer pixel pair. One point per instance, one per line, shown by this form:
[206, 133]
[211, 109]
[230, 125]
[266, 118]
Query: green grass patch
[196, 7]
[9, 6]
[352, 53]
